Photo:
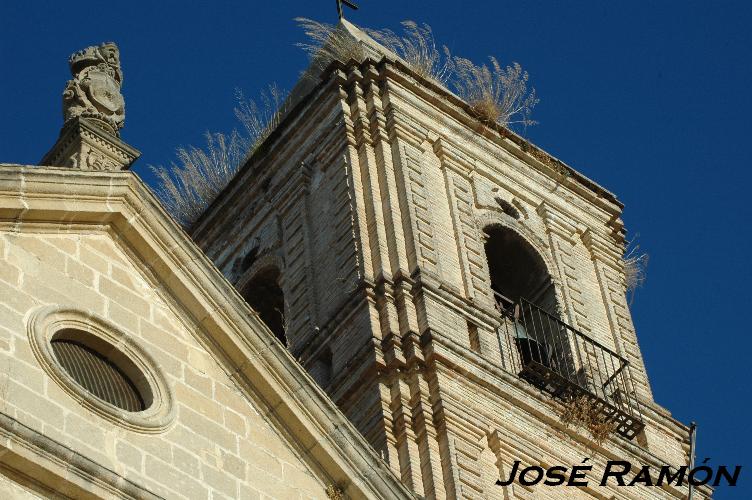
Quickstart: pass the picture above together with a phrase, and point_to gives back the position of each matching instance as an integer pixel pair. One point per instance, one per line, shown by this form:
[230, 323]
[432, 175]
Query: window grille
[98, 375]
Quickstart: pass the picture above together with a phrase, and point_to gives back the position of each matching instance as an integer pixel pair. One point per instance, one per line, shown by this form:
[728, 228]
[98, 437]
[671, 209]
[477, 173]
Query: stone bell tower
[458, 292]
[93, 113]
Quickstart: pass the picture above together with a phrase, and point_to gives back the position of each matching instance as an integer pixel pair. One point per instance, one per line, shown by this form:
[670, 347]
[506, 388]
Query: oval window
[101, 369]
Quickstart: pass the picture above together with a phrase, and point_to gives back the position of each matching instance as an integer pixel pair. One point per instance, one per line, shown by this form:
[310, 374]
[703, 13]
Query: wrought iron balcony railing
[567, 364]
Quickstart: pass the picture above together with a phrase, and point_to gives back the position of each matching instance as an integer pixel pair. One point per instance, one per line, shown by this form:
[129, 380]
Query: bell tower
[458, 292]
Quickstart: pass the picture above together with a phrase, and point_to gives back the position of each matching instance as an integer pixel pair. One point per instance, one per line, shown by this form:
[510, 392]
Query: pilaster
[609, 269]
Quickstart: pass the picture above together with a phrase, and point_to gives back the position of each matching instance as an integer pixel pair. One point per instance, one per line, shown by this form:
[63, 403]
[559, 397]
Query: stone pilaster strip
[610, 278]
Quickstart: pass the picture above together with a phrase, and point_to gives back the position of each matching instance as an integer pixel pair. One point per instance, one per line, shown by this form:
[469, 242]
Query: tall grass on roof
[635, 267]
[327, 43]
[259, 117]
[198, 175]
[497, 94]
[191, 183]
[417, 46]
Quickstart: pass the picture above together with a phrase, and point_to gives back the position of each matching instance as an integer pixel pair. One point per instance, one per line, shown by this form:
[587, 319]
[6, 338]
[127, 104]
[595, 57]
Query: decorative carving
[94, 91]
[94, 112]
[91, 159]
[84, 144]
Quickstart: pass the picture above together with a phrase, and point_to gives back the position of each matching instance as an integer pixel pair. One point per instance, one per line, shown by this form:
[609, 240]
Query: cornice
[76, 475]
[370, 71]
[459, 361]
[556, 222]
[109, 151]
[602, 249]
[403, 73]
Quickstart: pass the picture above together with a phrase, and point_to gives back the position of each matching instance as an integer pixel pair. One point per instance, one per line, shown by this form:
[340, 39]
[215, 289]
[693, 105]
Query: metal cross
[348, 3]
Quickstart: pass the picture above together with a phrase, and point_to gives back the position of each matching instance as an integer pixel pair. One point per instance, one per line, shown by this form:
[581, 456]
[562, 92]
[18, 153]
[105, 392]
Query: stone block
[124, 297]
[204, 426]
[129, 456]
[177, 481]
[219, 480]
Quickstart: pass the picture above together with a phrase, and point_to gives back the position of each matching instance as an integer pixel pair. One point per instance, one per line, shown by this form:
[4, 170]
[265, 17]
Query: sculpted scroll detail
[94, 91]
[91, 159]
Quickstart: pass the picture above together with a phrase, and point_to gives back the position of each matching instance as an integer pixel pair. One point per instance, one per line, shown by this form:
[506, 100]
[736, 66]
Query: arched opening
[517, 270]
[265, 296]
[525, 294]
[542, 349]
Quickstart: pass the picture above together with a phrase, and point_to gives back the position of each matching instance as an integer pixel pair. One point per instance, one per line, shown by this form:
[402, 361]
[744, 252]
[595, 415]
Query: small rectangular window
[472, 331]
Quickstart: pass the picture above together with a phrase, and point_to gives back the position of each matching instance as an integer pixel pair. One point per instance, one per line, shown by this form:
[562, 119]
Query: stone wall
[220, 445]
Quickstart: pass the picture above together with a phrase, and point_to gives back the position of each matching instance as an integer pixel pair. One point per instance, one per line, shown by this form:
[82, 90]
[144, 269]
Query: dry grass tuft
[496, 94]
[635, 267]
[416, 45]
[584, 412]
[188, 186]
[546, 159]
[334, 492]
[260, 118]
[327, 43]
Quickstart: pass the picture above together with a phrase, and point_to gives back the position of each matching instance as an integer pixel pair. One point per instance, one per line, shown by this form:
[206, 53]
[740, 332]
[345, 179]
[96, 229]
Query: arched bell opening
[526, 296]
[517, 271]
[264, 294]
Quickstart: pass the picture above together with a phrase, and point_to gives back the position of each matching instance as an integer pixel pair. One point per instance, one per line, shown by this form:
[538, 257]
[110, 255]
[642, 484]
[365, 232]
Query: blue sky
[650, 99]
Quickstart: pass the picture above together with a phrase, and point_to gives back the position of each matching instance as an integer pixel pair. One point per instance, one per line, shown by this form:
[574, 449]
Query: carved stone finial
[94, 91]
[93, 113]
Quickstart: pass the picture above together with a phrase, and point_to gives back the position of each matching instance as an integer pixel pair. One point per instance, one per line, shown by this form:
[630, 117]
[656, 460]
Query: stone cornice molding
[557, 223]
[86, 146]
[488, 317]
[262, 367]
[508, 387]
[447, 153]
[337, 76]
[454, 106]
[76, 476]
[602, 249]
[401, 126]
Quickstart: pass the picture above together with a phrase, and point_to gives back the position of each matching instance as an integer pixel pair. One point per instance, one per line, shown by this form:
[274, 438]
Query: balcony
[556, 358]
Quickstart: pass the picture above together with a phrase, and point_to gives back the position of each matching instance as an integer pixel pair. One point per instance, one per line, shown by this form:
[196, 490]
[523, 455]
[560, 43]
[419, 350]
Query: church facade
[391, 299]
